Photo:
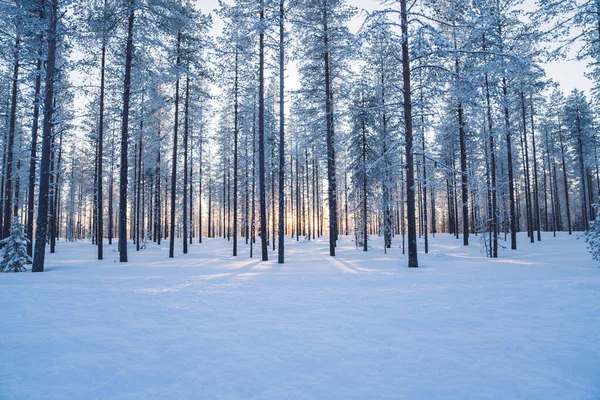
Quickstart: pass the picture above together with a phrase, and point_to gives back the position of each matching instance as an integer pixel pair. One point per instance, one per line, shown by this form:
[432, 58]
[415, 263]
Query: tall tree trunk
[492, 148]
[281, 233]
[365, 194]
[261, 139]
[331, 174]
[99, 200]
[186, 128]
[8, 173]
[125, 138]
[464, 177]
[536, 195]
[564, 165]
[111, 188]
[527, 177]
[138, 180]
[200, 176]
[174, 160]
[410, 173]
[511, 181]
[235, 154]
[157, 215]
[42, 217]
[34, 140]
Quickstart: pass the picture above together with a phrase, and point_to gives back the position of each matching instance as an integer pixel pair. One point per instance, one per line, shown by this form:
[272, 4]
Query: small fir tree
[13, 255]
[592, 235]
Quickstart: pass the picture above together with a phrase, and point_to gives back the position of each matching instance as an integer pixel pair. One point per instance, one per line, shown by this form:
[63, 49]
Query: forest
[299, 199]
[132, 121]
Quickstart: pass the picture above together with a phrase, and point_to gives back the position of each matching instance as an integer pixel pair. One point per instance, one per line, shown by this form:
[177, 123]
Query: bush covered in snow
[13, 255]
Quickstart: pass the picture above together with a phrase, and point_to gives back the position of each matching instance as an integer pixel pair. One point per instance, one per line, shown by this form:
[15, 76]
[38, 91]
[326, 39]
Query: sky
[569, 74]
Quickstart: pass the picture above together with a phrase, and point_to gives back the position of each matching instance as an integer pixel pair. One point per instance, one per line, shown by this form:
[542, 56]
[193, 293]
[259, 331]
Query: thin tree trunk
[261, 139]
[281, 233]
[8, 194]
[186, 128]
[125, 138]
[33, 156]
[174, 160]
[410, 178]
[511, 182]
[235, 156]
[99, 200]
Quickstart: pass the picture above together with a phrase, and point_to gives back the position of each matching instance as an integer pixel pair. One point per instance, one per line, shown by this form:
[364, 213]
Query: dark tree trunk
[464, 178]
[33, 156]
[365, 209]
[111, 188]
[157, 215]
[410, 177]
[174, 160]
[281, 233]
[200, 175]
[565, 178]
[138, 181]
[331, 175]
[99, 199]
[8, 193]
[235, 156]
[261, 140]
[536, 194]
[511, 181]
[124, 139]
[494, 194]
[42, 217]
[186, 128]
[528, 202]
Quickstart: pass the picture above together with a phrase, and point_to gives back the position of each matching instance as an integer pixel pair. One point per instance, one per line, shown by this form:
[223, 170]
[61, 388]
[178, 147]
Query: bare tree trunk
[174, 160]
[235, 155]
[511, 181]
[464, 178]
[564, 165]
[261, 139]
[494, 194]
[8, 193]
[410, 177]
[331, 175]
[186, 128]
[536, 195]
[125, 138]
[99, 199]
[138, 180]
[528, 202]
[42, 218]
[281, 227]
[33, 156]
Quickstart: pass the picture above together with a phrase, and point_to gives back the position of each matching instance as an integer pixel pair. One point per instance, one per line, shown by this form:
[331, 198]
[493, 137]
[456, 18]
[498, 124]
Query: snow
[360, 326]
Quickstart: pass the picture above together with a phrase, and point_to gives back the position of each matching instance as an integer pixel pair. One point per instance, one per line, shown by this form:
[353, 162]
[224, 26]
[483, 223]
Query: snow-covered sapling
[13, 255]
[592, 235]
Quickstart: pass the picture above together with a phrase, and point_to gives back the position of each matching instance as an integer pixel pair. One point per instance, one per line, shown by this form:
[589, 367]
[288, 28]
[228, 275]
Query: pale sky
[569, 74]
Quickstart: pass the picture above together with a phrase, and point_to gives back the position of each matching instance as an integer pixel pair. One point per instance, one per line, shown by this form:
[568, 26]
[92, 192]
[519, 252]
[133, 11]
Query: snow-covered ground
[360, 326]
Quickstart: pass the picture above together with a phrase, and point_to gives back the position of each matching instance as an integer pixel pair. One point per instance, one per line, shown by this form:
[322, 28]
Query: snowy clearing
[360, 326]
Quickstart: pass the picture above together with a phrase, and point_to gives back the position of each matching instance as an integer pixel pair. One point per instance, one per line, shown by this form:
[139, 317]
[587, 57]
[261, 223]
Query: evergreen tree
[13, 255]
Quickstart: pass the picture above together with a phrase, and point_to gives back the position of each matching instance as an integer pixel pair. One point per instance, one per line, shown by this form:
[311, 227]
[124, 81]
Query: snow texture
[360, 326]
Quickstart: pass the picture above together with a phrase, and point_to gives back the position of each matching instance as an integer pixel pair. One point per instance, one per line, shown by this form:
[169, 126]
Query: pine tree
[13, 255]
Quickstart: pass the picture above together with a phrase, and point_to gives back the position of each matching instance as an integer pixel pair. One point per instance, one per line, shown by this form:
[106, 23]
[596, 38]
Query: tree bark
[174, 160]
[281, 225]
[410, 178]
[261, 139]
[42, 217]
[124, 139]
